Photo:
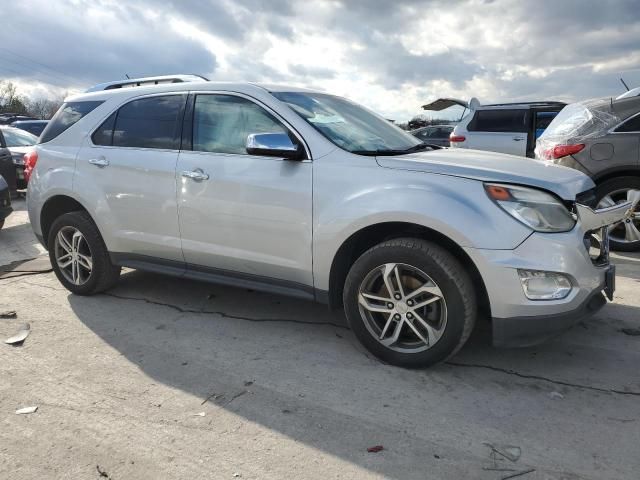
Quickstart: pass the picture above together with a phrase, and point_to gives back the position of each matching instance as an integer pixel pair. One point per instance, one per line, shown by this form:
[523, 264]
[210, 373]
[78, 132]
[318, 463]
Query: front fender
[455, 207]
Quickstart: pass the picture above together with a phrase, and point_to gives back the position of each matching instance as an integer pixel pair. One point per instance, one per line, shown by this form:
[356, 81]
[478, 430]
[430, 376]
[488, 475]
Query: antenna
[128, 77]
[625, 85]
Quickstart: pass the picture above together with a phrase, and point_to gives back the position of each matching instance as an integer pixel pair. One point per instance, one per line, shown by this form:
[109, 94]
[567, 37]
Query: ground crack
[224, 314]
[8, 275]
[544, 379]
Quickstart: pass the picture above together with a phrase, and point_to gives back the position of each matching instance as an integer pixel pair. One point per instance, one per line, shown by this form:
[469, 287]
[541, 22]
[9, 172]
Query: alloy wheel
[73, 255]
[628, 230]
[402, 307]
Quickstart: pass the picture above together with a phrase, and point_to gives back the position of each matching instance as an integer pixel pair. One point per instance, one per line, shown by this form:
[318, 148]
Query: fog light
[539, 285]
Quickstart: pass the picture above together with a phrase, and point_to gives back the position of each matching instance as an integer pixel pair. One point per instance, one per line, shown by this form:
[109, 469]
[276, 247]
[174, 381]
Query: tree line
[13, 102]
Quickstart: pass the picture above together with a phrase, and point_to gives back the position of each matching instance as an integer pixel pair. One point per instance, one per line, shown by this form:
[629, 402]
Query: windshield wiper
[415, 148]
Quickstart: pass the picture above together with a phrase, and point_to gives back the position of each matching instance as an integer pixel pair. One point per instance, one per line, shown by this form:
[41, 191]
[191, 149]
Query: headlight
[537, 209]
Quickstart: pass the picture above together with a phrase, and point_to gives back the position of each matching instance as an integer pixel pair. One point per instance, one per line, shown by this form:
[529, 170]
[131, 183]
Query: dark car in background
[8, 118]
[34, 127]
[7, 167]
[18, 142]
[601, 138]
[5, 201]
[434, 134]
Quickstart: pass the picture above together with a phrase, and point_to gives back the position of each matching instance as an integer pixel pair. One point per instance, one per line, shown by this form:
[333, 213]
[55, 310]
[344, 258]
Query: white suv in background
[511, 128]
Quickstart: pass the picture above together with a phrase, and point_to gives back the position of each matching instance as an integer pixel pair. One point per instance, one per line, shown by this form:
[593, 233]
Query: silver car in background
[298, 192]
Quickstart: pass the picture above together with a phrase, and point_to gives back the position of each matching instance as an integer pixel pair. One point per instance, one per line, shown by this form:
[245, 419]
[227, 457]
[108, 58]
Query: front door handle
[99, 162]
[198, 175]
[517, 139]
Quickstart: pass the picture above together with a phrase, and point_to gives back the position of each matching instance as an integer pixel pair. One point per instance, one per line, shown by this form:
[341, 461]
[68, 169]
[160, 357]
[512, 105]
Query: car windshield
[18, 138]
[349, 125]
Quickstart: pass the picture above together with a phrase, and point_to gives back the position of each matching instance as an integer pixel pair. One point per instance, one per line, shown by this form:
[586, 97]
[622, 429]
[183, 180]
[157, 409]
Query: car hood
[494, 167]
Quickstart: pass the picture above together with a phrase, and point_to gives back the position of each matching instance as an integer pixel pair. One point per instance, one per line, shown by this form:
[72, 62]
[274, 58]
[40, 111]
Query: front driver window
[222, 123]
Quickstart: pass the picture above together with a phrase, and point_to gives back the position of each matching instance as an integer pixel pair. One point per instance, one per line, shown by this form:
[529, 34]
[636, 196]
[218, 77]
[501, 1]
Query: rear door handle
[198, 175]
[99, 162]
[517, 139]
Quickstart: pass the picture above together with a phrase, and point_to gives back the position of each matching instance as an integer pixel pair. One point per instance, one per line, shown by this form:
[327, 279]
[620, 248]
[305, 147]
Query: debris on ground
[518, 474]
[500, 455]
[375, 449]
[199, 414]
[236, 475]
[510, 452]
[634, 332]
[556, 395]
[102, 473]
[26, 410]
[239, 394]
[20, 336]
[248, 383]
[9, 314]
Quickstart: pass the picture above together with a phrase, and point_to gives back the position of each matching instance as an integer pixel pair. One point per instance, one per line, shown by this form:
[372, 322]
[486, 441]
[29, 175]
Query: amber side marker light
[497, 193]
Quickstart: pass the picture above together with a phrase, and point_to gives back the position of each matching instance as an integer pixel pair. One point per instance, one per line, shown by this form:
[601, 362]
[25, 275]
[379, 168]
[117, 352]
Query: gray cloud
[500, 51]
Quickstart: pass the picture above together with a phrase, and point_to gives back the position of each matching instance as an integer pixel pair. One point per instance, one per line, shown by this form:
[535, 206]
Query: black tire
[104, 274]
[610, 187]
[448, 274]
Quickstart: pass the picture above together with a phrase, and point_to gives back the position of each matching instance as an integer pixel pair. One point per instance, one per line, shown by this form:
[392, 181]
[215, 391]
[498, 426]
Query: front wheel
[79, 256]
[624, 236]
[410, 302]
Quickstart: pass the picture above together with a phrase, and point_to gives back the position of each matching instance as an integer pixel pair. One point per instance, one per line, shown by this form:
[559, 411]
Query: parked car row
[14, 144]
[304, 193]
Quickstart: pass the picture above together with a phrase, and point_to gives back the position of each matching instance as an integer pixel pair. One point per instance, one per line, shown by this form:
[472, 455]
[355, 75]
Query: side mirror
[274, 145]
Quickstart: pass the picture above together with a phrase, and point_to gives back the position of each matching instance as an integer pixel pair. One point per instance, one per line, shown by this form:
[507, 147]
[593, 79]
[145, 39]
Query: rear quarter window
[69, 114]
[503, 120]
[631, 125]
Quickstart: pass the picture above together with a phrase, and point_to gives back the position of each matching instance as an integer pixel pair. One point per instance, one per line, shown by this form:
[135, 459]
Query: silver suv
[307, 194]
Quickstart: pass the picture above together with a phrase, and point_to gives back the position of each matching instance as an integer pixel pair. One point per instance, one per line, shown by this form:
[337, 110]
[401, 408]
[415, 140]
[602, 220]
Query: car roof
[520, 105]
[131, 91]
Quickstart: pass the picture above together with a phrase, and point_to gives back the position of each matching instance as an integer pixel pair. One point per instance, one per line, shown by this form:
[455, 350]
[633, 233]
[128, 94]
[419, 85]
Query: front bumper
[526, 331]
[518, 321]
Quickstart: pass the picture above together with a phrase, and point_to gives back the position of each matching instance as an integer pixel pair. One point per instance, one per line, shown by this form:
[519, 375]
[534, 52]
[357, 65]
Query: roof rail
[543, 102]
[146, 81]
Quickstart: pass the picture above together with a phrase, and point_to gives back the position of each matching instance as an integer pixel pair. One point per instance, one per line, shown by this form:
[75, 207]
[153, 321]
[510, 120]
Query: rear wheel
[410, 302]
[79, 256]
[624, 236]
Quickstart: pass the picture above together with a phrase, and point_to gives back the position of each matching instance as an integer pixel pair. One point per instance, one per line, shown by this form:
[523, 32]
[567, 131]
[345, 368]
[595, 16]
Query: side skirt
[219, 276]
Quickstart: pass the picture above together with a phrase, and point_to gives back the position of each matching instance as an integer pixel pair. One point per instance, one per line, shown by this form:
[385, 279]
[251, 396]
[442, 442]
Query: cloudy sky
[392, 56]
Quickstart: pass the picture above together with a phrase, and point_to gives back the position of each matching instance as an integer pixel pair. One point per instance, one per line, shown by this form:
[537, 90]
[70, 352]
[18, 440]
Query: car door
[246, 214]
[126, 171]
[501, 130]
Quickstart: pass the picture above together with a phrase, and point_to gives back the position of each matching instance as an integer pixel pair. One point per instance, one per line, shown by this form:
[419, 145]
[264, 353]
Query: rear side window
[152, 122]
[631, 125]
[69, 113]
[499, 121]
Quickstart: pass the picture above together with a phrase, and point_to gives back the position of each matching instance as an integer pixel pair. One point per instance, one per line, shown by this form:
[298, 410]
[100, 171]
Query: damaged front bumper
[520, 321]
